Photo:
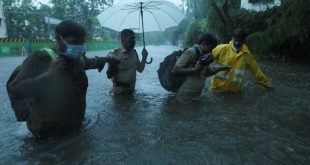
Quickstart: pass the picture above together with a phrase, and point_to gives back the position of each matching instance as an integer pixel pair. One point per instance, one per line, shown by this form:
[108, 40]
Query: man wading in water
[49, 88]
[123, 74]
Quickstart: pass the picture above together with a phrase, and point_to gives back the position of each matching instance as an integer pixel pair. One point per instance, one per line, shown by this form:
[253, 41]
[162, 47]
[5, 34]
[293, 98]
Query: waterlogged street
[254, 127]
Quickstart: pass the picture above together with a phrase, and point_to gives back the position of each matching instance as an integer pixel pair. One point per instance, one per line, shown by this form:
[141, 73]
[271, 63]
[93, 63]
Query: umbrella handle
[149, 61]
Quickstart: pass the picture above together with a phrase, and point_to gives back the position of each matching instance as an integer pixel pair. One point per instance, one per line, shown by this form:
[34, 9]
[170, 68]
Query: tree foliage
[21, 24]
[26, 20]
[276, 32]
[209, 16]
[289, 30]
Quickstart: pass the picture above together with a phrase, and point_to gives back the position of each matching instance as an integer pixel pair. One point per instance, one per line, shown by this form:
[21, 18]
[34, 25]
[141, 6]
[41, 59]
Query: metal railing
[22, 47]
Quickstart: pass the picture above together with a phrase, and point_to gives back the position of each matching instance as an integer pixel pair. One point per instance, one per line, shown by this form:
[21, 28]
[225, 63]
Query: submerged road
[254, 127]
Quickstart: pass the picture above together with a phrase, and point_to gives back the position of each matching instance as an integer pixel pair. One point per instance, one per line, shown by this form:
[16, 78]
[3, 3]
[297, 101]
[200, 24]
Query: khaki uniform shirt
[194, 84]
[124, 79]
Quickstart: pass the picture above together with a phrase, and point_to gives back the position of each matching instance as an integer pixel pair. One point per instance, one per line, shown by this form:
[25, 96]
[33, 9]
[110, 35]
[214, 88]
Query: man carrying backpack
[49, 89]
[195, 69]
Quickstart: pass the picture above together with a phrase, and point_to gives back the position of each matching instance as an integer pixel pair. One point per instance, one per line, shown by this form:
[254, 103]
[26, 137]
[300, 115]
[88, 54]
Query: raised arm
[181, 66]
[98, 62]
[141, 65]
[213, 70]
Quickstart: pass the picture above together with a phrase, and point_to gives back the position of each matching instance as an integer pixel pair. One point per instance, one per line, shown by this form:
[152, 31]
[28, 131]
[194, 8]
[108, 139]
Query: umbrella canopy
[141, 16]
[158, 15]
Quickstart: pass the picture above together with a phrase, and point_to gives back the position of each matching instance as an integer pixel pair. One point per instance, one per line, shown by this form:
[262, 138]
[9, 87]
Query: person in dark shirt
[54, 83]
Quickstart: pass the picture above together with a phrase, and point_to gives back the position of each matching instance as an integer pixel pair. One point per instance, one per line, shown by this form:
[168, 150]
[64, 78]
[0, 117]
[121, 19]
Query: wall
[9, 46]
[259, 6]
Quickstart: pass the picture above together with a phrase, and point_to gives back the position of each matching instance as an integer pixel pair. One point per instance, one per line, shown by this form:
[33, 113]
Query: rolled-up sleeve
[93, 63]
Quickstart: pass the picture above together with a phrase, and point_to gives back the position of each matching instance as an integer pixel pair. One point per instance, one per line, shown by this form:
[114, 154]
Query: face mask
[237, 44]
[73, 51]
[235, 48]
[129, 42]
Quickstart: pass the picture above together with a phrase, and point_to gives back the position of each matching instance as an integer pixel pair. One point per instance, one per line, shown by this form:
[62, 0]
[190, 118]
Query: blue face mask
[74, 51]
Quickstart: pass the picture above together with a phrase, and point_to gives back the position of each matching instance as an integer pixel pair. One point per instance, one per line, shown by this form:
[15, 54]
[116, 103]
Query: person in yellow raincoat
[236, 54]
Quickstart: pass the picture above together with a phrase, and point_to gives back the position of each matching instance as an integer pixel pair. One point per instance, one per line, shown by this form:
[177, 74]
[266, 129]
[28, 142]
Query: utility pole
[3, 31]
[49, 27]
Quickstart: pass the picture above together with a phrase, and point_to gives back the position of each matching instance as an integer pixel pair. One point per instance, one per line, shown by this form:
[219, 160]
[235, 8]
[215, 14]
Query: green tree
[289, 30]
[27, 21]
[81, 11]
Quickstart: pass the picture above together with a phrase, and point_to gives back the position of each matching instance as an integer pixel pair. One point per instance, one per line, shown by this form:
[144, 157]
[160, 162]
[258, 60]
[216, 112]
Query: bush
[278, 32]
[284, 34]
[289, 30]
[192, 34]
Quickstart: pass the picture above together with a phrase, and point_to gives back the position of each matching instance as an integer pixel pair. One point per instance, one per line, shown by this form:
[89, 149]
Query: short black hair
[126, 32]
[209, 39]
[69, 28]
[239, 34]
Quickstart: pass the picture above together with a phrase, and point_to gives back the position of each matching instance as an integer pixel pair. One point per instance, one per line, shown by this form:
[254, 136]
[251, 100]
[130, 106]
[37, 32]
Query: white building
[259, 6]
[3, 32]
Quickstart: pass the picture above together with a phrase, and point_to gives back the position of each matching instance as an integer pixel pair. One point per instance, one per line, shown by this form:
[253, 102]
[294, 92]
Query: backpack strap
[53, 54]
[50, 52]
[83, 59]
[196, 47]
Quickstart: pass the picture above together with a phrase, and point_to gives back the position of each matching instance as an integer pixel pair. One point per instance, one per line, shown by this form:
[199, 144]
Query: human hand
[144, 53]
[198, 66]
[266, 88]
[227, 67]
[270, 88]
[224, 68]
[206, 59]
[57, 65]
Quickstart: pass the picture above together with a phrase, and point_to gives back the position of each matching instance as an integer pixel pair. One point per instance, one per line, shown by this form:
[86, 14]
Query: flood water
[254, 127]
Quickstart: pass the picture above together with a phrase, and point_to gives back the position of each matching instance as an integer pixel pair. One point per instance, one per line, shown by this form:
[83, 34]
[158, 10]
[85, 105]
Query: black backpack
[169, 81]
[21, 106]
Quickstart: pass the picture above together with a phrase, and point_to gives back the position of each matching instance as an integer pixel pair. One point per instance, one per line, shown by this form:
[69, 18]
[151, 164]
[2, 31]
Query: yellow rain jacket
[241, 62]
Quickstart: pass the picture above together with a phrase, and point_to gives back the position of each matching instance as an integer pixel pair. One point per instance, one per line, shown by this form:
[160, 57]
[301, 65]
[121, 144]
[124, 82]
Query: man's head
[70, 38]
[128, 39]
[238, 38]
[207, 43]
